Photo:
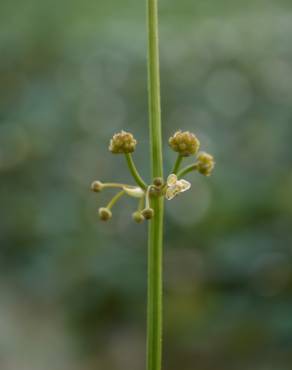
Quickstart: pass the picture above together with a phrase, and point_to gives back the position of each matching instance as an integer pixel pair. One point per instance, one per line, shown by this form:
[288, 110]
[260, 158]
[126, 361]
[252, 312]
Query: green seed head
[96, 186]
[205, 163]
[104, 214]
[148, 213]
[185, 143]
[138, 217]
[122, 143]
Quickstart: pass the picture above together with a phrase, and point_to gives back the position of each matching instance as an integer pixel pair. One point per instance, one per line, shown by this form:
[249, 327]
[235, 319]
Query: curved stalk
[177, 164]
[141, 204]
[155, 234]
[187, 169]
[135, 172]
[115, 199]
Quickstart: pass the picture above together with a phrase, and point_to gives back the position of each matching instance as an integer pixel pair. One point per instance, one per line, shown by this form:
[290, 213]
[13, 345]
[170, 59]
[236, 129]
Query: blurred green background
[73, 290]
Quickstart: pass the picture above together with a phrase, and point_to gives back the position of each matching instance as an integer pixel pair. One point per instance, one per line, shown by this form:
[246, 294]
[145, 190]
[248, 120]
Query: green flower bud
[104, 214]
[122, 142]
[138, 217]
[205, 163]
[96, 186]
[148, 213]
[185, 143]
[158, 182]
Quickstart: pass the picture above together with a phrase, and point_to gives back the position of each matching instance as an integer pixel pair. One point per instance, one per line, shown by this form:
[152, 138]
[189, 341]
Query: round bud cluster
[122, 143]
[205, 163]
[138, 217]
[104, 214]
[148, 213]
[185, 143]
[97, 186]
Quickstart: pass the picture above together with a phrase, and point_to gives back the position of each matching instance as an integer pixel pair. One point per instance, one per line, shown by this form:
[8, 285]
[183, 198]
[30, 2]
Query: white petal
[184, 185]
[134, 191]
[172, 179]
[170, 193]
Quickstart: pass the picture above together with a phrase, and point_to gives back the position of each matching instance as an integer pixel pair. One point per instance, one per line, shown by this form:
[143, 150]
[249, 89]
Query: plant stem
[154, 310]
[187, 169]
[114, 185]
[135, 172]
[147, 197]
[115, 199]
[141, 204]
[177, 164]
[155, 236]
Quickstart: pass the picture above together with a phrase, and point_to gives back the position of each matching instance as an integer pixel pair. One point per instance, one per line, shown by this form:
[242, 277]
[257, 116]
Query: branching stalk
[187, 169]
[135, 172]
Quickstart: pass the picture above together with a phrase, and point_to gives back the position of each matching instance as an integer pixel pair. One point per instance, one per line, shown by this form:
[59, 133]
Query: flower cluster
[184, 143]
[123, 143]
[205, 163]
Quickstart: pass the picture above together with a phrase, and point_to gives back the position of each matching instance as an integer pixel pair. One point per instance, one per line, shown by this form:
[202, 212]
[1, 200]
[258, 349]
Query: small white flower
[175, 186]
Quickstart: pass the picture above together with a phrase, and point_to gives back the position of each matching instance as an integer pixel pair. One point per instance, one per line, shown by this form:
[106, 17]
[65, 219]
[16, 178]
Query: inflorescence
[185, 143]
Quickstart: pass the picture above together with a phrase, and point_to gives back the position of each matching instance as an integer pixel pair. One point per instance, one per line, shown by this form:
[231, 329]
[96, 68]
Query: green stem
[154, 309]
[155, 236]
[177, 163]
[115, 185]
[147, 197]
[115, 199]
[187, 169]
[135, 172]
[141, 204]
